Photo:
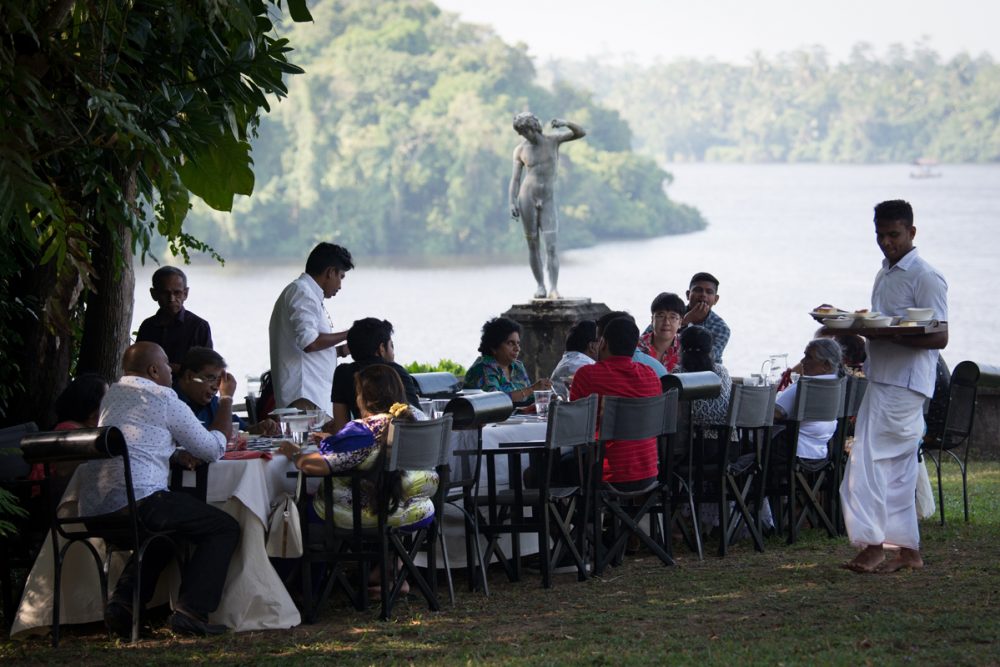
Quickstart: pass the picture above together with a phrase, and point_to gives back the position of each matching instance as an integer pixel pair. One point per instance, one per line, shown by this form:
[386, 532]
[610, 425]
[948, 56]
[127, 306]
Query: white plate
[281, 412]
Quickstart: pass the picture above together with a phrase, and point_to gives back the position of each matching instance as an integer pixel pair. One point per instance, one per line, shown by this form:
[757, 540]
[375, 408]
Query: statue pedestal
[546, 323]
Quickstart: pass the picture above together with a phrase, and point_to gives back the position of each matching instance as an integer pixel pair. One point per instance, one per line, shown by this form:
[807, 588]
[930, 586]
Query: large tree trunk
[109, 308]
[46, 348]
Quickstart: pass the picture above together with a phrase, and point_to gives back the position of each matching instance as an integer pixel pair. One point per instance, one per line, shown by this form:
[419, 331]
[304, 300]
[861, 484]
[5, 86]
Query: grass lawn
[789, 605]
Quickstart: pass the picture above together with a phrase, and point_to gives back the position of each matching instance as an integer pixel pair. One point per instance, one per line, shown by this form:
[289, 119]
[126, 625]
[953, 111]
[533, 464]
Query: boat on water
[925, 168]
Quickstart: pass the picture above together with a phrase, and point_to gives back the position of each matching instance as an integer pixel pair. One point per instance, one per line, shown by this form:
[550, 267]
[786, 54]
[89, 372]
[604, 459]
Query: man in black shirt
[370, 342]
[173, 328]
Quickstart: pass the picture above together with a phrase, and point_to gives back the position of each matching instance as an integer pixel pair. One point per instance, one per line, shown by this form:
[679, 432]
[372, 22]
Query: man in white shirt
[581, 350]
[155, 422]
[879, 486]
[303, 342]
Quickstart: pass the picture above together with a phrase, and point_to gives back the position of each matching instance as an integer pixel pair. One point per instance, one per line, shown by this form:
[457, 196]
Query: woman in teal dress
[498, 369]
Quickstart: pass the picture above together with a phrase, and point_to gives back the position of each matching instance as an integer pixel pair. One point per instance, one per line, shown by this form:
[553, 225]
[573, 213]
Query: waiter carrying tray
[879, 487]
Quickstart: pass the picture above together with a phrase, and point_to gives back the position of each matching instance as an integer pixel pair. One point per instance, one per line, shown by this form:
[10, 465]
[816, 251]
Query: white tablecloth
[254, 597]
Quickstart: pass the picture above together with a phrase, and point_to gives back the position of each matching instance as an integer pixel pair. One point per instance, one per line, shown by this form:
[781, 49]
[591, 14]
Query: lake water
[781, 239]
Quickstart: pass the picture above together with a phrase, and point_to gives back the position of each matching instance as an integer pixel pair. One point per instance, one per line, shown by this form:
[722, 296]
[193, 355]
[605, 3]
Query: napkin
[246, 454]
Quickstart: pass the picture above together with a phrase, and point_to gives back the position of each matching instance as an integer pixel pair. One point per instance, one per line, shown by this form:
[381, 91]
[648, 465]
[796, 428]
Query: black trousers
[214, 535]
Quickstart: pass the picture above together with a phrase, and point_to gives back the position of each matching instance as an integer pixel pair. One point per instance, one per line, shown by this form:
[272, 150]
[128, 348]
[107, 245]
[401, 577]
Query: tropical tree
[113, 115]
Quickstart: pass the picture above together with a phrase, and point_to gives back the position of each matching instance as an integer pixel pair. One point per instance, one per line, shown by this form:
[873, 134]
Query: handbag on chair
[284, 536]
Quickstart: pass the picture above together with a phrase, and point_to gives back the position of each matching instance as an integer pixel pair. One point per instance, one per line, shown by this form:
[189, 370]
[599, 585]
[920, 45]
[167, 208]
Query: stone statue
[532, 192]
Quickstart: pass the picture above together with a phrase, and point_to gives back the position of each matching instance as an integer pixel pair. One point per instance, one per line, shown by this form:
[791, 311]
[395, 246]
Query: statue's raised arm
[575, 131]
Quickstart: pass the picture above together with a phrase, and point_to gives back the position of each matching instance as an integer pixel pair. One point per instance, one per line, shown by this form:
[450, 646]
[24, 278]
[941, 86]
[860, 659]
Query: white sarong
[879, 488]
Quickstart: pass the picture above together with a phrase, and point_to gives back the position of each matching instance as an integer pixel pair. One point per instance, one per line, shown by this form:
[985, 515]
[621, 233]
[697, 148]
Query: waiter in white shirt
[879, 487]
[303, 342]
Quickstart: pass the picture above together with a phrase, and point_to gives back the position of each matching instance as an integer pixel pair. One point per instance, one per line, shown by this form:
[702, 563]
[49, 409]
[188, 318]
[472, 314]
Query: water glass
[542, 399]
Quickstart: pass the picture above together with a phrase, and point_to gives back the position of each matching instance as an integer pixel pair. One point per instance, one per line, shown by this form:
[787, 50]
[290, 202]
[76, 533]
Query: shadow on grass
[788, 605]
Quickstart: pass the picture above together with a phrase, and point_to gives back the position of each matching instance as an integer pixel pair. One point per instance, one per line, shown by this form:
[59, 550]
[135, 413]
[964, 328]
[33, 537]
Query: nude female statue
[532, 192]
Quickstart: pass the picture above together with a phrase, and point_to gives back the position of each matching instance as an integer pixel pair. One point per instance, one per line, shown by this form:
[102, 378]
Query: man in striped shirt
[628, 464]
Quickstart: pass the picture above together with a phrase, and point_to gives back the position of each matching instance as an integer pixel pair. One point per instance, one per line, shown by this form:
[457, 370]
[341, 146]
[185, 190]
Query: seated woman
[823, 359]
[661, 341]
[79, 404]
[497, 369]
[359, 445]
[696, 355]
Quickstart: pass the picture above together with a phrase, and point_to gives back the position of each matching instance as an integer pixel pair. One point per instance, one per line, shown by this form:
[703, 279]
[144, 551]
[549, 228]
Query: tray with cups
[870, 324]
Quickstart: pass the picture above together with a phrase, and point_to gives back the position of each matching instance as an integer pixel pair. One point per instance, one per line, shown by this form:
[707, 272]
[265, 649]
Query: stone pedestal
[546, 323]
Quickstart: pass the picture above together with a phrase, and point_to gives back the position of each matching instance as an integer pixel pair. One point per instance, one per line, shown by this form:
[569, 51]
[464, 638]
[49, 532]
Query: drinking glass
[542, 399]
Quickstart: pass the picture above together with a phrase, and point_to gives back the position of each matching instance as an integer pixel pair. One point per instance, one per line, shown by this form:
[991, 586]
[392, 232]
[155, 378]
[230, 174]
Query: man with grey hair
[821, 360]
[532, 192]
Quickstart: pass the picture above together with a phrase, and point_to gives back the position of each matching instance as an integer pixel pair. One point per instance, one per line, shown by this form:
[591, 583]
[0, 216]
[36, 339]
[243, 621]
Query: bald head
[147, 360]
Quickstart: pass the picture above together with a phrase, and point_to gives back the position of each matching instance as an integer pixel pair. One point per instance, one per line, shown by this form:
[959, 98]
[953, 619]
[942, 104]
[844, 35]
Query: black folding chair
[122, 530]
[808, 483]
[629, 419]
[411, 446]
[558, 508]
[736, 473]
[966, 379]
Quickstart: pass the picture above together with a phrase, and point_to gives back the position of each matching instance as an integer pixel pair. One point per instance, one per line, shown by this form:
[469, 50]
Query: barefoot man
[532, 192]
[879, 485]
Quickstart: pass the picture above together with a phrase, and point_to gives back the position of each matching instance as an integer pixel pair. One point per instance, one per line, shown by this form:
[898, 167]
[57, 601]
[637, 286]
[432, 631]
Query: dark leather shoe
[183, 624]
[118, 619]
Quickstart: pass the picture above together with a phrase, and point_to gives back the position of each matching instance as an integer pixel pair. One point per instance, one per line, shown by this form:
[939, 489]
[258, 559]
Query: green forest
[397, 141]
[897, 106]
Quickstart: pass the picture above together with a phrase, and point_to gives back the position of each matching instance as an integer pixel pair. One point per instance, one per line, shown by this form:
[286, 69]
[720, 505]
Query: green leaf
[299, 11]
[219, 171]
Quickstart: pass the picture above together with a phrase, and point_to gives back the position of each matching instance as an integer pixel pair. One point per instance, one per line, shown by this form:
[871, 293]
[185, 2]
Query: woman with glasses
[661, 341]
[498, 368]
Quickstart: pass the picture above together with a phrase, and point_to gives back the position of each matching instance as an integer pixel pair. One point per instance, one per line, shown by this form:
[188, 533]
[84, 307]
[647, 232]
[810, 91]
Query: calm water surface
[781, 239]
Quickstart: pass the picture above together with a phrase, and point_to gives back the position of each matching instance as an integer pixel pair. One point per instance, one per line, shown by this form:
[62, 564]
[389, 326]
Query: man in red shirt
[628, 464]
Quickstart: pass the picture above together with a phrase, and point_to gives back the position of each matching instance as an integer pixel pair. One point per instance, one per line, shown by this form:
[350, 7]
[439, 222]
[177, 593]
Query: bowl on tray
[919, 314]
[838, 322]
[876, 322]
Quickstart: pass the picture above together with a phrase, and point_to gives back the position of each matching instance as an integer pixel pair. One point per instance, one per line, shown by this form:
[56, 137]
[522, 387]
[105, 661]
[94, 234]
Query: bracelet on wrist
[224, 397]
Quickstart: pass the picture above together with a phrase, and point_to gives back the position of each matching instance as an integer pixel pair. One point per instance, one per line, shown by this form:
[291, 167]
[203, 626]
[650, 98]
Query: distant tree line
[798, 107]
[398, 141]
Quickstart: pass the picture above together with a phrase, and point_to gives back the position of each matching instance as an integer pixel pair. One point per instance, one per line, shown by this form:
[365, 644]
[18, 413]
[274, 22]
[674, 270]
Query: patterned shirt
[154, 422]
[487, 374]
[720, 334]
[357, 446]
[670, 357]
[715, 326]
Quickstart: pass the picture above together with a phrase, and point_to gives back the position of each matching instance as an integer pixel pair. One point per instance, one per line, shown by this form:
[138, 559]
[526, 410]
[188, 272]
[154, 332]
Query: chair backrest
[437, 384]
[818, 399]
[751, 406]
[856, 388]
[82, 444]
[638, 418]
[691, 386]
[12, 463]
[476, 410]
[572, 423]
[961, 410]
[418, 445]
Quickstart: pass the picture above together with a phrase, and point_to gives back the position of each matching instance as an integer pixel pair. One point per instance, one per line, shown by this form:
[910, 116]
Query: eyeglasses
[208, 379]
[669, 317]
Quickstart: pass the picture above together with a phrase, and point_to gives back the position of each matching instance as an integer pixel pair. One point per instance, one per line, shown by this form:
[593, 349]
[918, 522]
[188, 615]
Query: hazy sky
[729, 30]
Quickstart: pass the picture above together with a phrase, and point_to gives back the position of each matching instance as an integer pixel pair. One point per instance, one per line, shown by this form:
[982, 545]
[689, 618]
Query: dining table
[518, 428]
[254, 597]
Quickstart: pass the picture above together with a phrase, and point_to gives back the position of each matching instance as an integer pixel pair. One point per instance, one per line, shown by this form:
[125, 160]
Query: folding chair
[121, 530]
[736, 472]
[560, 506]
[966, 379]
[810, 482]
[628, 419]
[410, 446]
